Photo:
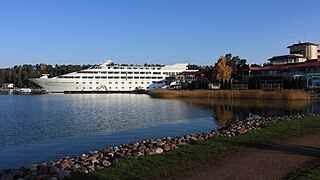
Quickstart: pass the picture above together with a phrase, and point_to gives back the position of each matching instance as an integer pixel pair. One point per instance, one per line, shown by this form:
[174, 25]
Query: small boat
[25, 90]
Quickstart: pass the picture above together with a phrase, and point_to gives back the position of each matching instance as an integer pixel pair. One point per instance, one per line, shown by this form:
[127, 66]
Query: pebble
[97, 160]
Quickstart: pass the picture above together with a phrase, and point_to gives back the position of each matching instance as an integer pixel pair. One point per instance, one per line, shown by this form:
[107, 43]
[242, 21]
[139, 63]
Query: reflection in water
[223, 114]
[227, 110]
[36, 128]
[47, 127]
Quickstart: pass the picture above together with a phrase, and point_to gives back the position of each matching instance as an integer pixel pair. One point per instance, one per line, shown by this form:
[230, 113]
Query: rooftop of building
[282, 66]
[286, 56]
[301, 43]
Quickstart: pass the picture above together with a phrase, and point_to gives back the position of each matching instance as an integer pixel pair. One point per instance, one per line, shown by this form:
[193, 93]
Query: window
[136, 72]
[110, 82]
[122, 87]
[90, 87]
[116, 82]
[84, 88]
[97, 87]
[148, 72]
[122, 82]
[136, 77]
[83, 82]
[110, 72]
[97, 82]
[148, 82]
[77, 82]
[117, 77]
[156, 72]
[77, 87]
[129, 72]
[123, 72]
[142, 72]
[129, 87]
[130, 82]
[142, 82]
[104, 77]
[116, 72]
[123, 78]
[110, 77]
[90, 82]
[97, 77]
[136, 82]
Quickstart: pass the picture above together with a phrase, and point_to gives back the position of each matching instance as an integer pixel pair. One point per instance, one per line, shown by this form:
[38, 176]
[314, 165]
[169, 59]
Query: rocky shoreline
[97, 160]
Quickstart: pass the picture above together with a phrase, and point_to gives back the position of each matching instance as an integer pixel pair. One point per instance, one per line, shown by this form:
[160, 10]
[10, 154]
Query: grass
[243, 94]
[200, 154]
[312, 171]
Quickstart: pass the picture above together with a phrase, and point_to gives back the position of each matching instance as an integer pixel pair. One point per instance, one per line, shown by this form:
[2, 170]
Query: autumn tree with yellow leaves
[222, 71]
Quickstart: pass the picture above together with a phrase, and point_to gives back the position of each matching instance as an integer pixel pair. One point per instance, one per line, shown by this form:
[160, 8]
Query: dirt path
[264, 161]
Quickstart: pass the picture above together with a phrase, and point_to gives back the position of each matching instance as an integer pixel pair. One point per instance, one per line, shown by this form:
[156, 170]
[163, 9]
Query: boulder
[7, 177]
[158, 150]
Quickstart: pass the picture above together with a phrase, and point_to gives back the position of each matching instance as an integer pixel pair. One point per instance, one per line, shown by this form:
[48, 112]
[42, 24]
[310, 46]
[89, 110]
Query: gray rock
[7, 177]
[166, 147]
[158, 150]
[106, 163]
[53, 170]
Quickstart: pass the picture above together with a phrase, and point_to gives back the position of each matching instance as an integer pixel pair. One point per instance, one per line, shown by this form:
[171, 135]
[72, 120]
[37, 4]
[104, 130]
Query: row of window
[153, 82]
[112, 77]
[124, 72]
[146, 68]
[110, 88]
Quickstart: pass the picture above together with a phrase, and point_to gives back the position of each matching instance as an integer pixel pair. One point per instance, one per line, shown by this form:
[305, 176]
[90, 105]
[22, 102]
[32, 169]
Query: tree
[222, 71]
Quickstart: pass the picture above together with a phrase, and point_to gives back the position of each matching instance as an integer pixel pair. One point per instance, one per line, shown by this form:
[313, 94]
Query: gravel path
[264, 161]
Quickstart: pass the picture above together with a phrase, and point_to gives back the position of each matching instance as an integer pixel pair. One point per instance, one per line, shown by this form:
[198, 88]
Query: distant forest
[18, 75]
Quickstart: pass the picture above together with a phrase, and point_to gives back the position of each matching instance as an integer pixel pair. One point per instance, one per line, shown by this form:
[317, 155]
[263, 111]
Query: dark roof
[281, 66]
[306, 64]
[285, 56]
[306, 43]
[192, 73]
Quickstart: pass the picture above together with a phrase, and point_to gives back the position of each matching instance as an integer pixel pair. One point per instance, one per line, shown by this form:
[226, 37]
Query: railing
[272, 86]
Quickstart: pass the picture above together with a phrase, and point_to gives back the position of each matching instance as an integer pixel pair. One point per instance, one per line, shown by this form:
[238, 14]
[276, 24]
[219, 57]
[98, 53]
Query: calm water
[36, 128]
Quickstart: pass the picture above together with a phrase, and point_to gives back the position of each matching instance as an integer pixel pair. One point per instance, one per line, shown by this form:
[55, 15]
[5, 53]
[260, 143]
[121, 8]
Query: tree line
[19, 75]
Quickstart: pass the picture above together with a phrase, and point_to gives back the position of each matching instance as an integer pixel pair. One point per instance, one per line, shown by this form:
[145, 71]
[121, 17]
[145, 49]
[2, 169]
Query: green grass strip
[200, 153]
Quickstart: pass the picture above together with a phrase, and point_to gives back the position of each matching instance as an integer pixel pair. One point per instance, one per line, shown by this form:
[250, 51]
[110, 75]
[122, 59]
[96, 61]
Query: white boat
[25, 90]
[111, 77]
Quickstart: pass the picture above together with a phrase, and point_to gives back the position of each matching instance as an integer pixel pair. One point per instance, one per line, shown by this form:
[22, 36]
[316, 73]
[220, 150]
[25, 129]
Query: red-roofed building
[303, 61]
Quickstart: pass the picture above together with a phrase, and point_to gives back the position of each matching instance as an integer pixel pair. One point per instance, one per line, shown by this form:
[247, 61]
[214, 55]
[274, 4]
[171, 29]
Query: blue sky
[150, 31]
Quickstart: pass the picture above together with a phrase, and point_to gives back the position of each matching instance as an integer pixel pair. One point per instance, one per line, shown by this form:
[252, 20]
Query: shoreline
[98, 160]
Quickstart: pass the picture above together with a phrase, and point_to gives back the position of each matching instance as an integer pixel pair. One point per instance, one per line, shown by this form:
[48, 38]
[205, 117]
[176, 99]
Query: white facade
[107, 77]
